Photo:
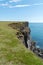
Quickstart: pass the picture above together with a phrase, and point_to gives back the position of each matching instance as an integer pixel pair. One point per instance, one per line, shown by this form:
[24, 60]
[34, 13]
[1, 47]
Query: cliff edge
[12, 50]
[23, 34]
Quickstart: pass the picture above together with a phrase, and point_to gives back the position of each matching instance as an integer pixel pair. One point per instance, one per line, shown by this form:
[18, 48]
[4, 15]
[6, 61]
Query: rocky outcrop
[23, 31]
[24, 35]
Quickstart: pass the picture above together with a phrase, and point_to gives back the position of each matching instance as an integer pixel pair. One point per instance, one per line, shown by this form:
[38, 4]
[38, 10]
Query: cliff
[23, 34]
[12, 50]
[23, 31]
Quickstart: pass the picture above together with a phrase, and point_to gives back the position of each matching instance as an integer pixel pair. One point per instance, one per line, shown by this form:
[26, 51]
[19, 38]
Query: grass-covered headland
[12, 50]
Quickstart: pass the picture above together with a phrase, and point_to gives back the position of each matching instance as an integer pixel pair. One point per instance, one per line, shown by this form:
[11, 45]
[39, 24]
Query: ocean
[37, 33]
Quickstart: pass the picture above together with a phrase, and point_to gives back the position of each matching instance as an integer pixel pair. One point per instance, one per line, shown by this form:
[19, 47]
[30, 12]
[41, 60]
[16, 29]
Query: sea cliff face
[23, 33]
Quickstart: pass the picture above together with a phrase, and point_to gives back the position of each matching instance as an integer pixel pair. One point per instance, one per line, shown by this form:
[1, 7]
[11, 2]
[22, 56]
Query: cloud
[4, 4]
[18, 6]
[14, 1]
[38, 4]
[25, 5]
[9, 5]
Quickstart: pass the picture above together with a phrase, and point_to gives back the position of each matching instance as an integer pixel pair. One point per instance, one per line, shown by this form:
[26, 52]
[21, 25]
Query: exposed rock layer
[24, 31]
[24, 34]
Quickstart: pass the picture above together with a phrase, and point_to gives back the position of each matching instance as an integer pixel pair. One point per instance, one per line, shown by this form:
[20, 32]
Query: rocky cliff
[23, 33]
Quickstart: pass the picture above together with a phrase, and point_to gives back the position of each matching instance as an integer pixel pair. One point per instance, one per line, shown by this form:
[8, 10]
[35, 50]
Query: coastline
[21, 34]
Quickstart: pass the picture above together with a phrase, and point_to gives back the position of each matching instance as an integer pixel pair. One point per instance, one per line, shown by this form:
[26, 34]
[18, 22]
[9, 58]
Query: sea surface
[37, 33]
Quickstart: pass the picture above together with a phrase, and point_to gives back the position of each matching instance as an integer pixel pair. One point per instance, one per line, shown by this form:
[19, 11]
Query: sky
[21, 10]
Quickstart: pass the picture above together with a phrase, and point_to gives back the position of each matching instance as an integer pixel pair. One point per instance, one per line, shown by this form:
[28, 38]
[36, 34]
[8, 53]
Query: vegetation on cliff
[12, 50]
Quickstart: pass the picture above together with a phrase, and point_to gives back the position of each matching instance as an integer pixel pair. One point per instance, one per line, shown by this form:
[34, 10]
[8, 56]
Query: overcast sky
[21, 10]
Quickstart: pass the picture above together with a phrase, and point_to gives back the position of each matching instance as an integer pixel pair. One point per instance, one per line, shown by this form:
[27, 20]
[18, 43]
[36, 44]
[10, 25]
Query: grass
[12, 51]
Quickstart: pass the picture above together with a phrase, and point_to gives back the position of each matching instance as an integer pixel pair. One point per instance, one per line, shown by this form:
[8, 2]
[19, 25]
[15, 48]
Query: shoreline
[22, 35]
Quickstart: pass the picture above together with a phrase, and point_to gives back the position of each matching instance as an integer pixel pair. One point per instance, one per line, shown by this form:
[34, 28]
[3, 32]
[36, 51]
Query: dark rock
[20, 36]
[17, 33]
[33, 46]
[25, 38]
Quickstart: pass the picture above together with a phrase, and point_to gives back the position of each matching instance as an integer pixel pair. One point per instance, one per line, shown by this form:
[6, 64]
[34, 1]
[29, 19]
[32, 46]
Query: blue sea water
[37, 33]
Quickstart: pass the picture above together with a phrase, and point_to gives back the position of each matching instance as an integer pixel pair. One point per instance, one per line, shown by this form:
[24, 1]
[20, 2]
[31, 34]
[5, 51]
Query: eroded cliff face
[19, 25]
[23, 31]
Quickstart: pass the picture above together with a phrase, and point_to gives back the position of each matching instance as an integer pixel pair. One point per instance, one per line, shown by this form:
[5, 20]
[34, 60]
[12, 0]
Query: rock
[33, 45]
[29, 44]
[41, 53]
[24, 33]
[17, 33]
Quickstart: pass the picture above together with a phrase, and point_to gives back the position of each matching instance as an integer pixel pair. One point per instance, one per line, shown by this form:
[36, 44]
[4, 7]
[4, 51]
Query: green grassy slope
[12, 51]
